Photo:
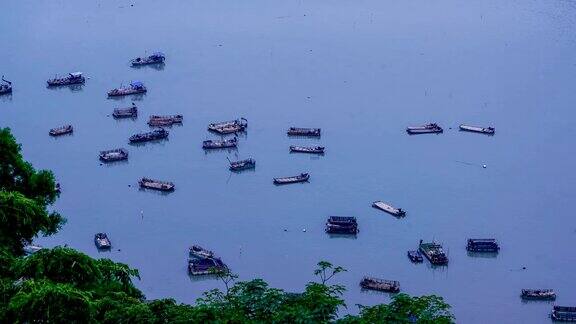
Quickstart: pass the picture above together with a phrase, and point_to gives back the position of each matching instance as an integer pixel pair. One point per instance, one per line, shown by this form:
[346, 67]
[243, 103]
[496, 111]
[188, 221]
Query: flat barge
[434, 253]
[148, 183]
[5, 86]
[482, 245]
[478, 129]
[302, 177]
[135, 87]
[307, 149]
[229, 127]
[309, 132]
[372, 283]
[129, 112]
[342, 225]
[63, 130]
[538, 294]
[242, 164]
[70, 79]
[220, 144]
[398, 212]
[149, 136]
[160, 121]
[431, 128]
[118, 154]
[563, 314]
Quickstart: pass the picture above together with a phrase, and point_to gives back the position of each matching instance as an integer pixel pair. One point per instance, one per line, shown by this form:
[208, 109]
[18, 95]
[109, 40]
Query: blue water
[362, 71]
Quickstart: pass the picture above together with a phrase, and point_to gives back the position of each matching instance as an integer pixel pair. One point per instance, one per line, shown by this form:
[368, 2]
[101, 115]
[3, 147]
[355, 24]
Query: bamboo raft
[219, 144]
[482, 245]
[71, 78]
[302, 177]
[229, 127]
[563, 314]
[478, 129]
[310, 132]
[159, 121]
[380, 284]
[155, 58]
[67, 129]
[538, 294]
[102, 241]
[431, 128]
[135, 87]
[307, 149]
[434, 253]
[114, 155]
[398, 212]
[341, 225]
[149, 136]
[5, 87]
[130, 112]
[156, 184]
[242, 164]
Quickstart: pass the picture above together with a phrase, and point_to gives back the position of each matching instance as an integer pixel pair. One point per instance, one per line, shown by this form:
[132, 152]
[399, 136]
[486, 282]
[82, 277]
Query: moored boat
[341, 225]
[67, 129]
[135, 87]
[563, 313]
[149, 136]
[155, 58]
[205, 266]
[478, 129]
[297, 131]
[196, 251]
[219, 144]
[242, 164]
[372, 283]
[129, 112]
[102, 241]
[415, 256]
[114, 155]
[482, 245]
[302, 177]
[229, 127]
[424, 129]
[159, 121]
[71, 78]
[156, 184]
[5, 86]
[389, 209]
[434, 253]
[307, 149]
[538, 294]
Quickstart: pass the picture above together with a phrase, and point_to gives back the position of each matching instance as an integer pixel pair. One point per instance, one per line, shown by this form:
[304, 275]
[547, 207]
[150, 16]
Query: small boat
[159, 121]
[156, 184]
[389, 209]
[130, 112]
[482, 245]
[196, 251]
[219, 144]
[307, 149]
[372, 283]
[67, 129]
[71, 78]
[434, 253]
[135, 87]
[242, 164]
[424, 129]
[31, 249]
[563, 314]
[302, 177]
[102, 242]
[341, 225]
[415, 256]
[149, 136]
[5, 87]
[538, 294]
[229, 127]
[205, 266]
[295, 131]
[478, 129]
[155, 58]
[114, 155]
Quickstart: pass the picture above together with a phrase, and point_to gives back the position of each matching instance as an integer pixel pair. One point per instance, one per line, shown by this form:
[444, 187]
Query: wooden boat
[219, 144]
[307, 149]
[311, 132]
[424, 129]
[229, 127]
[415, 256]
[155, 58]
[130, 112]
[341, 225]
[482, 245]
[205, 266]
[135, 87]
[67, 129]
[71, 78]
[434, 253]
[302, 177]
[5, 87]
[102, 242]
[478, 129]
[242, 164]
[380, 284]
[159, 121]
[196, 251]
[389, 209]
[149, 136]
[114, 155]
[156, 184]
[538, 294]
[563, 314]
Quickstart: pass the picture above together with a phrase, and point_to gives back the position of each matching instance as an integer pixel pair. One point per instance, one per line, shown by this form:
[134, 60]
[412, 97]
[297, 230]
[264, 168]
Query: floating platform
[160, 121]
[129, 112]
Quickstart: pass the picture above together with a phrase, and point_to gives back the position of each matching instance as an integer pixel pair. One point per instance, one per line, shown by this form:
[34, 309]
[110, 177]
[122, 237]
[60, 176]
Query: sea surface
[360, 70]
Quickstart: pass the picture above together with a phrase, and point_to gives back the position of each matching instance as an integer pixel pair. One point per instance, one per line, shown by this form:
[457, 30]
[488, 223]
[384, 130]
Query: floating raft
[102, 242]
[229, 127]
[389, 209]
[310, 132]
[478, 129]
[341, 225]
[538, 294]
[5, 87]
[434, 253]
[67, 129]
[307, 149]
[130, 112]
[242, 164]
[155, 58]
[196, 251]
[482, 245]
[220, 144]
[156, 184]
[380, 284]
[135, 87]
[415, 256]
[302, 177]
[114, 155]
[563, 314]
[159, 121]
[424, 129]
[149, 136]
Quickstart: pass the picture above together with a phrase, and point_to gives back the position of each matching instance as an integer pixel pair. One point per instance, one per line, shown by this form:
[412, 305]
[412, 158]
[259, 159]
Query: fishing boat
[148, 183]
[71, 78]
[434, 253]
[155, 58]
[307, 149]
[129, 112]
[135, 87]
[114, 155]
[205, 266]
[398, 212]
[310, 132]
[563, 314]
[302, 177]
[67, 129]
[538, 294]
[372, 283]
[159, 121]
[219, 144]
[415, 256]
[102, 242]
[229, 127]
[149, 136]
[482, 245]
[5, 86]
[341, 225]
[478, 129]
[242, 164]
[196, 251]
[424, 129]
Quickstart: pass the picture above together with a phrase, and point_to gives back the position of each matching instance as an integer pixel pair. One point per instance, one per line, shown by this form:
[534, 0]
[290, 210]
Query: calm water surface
[362, 71]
